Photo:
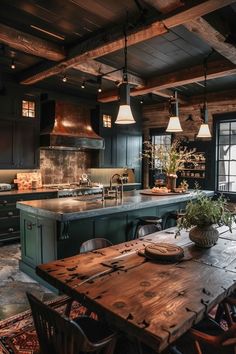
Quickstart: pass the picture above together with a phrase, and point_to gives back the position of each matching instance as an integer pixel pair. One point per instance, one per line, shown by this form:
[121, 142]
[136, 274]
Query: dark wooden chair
[226, 310]
[209, 338]
[94, 244]
[57, 334]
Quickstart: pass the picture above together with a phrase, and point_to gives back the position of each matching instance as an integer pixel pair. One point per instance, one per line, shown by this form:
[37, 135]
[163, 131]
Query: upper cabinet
[19, 131]
[123, 143]
[7, 138]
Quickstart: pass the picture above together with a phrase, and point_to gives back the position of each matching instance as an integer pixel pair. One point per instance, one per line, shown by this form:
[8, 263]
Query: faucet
[117, 187]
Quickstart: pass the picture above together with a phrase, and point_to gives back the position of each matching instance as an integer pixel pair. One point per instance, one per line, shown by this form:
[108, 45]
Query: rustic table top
[152, 301]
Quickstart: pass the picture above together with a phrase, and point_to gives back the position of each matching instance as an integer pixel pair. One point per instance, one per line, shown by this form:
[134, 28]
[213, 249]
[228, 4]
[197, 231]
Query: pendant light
[174, 123]
[204, 131]
[125, 115]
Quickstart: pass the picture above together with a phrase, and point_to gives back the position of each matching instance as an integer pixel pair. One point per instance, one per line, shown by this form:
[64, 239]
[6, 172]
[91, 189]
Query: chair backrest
[94, 244]
[146, 229]
[58, 334]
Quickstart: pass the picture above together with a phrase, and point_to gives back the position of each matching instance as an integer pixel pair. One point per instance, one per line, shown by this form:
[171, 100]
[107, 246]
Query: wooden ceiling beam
[216, 69]
[96, 68]
[96, 47]
[30, 44]
[167, 93]
[201, 28]
[211, 36]
[216, 99]
[27, 43]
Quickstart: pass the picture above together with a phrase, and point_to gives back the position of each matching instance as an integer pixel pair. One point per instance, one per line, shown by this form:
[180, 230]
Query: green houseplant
[170, 158]
[201, 217]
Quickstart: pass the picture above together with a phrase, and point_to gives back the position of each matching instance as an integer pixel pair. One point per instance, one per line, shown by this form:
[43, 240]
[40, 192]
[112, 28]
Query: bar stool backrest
[147, 229]
[94, 244]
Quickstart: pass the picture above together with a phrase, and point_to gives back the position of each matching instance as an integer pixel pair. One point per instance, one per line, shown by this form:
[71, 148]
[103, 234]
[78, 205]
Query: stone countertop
[66, 209]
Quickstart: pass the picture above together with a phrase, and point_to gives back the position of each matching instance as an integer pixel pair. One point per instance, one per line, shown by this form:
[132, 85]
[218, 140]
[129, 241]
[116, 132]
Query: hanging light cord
[125, 51]
[125, 70]
[205, 64]
[205, 82]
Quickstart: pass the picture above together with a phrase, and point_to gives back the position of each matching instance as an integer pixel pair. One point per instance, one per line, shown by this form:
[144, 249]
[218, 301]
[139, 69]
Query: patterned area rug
[17, 333]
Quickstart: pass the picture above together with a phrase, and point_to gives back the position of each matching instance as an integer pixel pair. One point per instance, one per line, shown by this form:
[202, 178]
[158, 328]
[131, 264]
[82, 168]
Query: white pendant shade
[174, 125]
[125, 115]
[204, 131]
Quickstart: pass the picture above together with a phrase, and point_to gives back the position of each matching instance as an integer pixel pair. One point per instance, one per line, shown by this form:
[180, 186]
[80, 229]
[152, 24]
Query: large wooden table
[154, 302]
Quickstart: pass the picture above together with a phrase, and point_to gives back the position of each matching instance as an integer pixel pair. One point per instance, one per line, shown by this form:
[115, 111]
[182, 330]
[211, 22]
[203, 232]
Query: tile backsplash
[60, 166]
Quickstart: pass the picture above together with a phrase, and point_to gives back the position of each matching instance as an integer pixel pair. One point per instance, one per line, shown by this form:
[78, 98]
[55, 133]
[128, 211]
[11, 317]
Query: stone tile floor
[14, 283]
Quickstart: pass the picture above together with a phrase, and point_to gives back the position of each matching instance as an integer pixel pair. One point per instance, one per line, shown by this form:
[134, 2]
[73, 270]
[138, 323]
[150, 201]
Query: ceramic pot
[204, 237]
[171, 182]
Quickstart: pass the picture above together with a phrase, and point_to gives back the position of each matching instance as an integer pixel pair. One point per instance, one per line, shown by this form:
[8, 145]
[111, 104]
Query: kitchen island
[55, 228]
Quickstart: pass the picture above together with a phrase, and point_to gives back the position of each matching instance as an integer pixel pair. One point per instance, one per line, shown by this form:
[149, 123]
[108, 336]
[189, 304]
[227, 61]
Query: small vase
[171, 182]
[204, 237]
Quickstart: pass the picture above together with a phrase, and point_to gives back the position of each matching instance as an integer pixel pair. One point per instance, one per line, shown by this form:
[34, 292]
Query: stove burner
[73, 189]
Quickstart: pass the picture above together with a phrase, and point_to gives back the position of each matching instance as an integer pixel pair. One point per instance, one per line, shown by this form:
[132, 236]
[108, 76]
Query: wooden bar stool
[173, 215]
[148, 220]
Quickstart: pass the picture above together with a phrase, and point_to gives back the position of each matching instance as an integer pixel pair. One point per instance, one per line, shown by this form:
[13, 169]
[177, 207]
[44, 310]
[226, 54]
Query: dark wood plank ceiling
[69, 25]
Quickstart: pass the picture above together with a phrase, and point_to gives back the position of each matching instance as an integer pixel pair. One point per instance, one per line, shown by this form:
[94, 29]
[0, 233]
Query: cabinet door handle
[30, 225]
[10, 229]
[3, 202]
[10, 213]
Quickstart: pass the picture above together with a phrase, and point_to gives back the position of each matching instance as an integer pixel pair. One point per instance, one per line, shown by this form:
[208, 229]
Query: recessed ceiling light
[13, 65]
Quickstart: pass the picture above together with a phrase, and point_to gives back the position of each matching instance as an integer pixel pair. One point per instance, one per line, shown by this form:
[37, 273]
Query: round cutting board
[164, 252]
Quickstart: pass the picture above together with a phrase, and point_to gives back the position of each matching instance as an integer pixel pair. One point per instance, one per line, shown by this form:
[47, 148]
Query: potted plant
[201, 217]
[170, 158]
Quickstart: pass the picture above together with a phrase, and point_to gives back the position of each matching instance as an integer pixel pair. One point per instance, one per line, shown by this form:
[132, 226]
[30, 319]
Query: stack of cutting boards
[24, 180]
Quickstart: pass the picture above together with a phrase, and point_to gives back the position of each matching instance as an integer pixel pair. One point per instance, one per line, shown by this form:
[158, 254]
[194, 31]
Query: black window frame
[217, 120]
[154, 132]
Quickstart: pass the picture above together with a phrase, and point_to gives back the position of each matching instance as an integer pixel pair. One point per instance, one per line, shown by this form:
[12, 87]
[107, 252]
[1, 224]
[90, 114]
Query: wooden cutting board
[24, 180]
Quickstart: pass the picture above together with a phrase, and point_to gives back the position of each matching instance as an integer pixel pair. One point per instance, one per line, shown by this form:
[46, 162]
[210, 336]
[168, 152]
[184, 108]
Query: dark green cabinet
[19, 144]
[121, 150]
[38, 243]
[30, 248]
[10, 215]
[72, 234]
[19, 135]
[111, 227]
[7, 146]
[27, 142]
[107, 156]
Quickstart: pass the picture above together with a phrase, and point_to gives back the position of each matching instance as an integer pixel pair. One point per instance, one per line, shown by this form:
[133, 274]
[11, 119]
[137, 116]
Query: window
[28, 109]
[226, 155]
[160, 139]
[106, 119]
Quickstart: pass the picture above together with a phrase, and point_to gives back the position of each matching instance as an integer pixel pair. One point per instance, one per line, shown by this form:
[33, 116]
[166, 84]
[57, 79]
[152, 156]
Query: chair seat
[150, 220]
[95, 330]
[209, 326]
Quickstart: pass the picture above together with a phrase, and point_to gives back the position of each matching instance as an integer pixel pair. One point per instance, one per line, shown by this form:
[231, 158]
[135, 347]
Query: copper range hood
[67, 126]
